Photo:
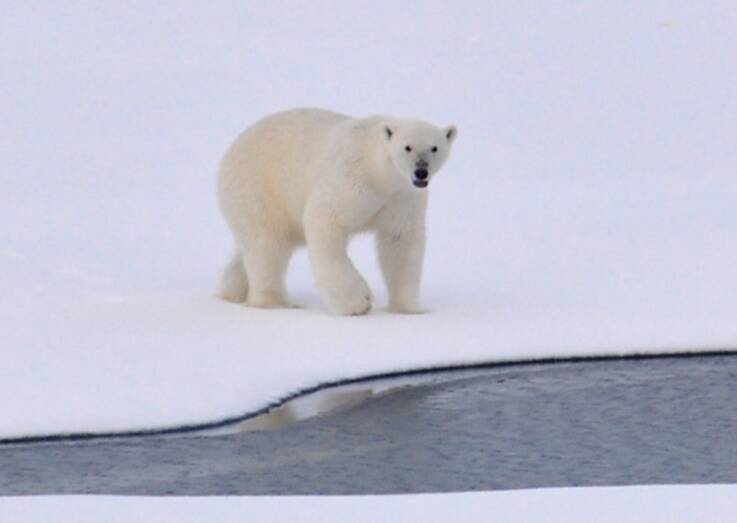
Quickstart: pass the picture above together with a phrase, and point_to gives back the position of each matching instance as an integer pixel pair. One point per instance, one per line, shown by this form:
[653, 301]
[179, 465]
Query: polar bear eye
[408, 148]
[434, 149]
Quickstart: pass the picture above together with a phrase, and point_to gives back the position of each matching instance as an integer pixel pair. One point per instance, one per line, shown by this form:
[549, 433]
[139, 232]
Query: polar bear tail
[234, 283]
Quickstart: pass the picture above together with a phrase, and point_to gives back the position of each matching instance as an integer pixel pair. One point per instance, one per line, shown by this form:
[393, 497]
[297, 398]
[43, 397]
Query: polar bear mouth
[419, 183]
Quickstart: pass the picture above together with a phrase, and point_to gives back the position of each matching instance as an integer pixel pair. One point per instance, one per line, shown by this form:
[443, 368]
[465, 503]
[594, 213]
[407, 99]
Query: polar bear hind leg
[234, 283]
[265, 261]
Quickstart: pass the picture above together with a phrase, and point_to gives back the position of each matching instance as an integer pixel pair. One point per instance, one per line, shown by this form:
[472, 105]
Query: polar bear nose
[421, 174]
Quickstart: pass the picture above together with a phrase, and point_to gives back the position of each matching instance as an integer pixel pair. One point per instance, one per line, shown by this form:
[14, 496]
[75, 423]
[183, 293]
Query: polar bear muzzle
[420, 178]
[420, 175]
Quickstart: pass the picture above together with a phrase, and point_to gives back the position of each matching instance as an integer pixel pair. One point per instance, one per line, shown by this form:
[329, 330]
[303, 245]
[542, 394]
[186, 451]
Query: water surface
[670, 420]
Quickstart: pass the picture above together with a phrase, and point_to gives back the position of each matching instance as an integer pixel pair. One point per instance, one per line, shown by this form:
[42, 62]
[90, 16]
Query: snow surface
[654, 504]
[589, 206]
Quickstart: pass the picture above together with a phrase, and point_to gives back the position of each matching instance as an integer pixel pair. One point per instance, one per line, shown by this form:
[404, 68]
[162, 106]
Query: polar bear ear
[387, 132]
[450, 133]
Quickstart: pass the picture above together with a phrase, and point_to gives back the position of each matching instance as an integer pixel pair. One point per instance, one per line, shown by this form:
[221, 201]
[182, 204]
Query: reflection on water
[321, 402]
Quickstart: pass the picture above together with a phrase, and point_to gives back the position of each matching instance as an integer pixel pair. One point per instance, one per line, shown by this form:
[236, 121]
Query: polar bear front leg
[341, 286]
[401, 252]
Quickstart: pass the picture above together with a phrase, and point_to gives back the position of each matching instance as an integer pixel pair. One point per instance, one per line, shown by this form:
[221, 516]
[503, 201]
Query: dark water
[594, 423]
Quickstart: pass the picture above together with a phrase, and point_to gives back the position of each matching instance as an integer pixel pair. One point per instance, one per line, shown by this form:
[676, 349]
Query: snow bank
[656, 504]
[589, 207]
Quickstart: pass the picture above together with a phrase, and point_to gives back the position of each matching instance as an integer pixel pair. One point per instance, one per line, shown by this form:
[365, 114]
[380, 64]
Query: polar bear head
[418, 149]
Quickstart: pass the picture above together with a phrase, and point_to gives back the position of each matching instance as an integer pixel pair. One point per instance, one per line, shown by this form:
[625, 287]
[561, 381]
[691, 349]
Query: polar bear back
[271, 167]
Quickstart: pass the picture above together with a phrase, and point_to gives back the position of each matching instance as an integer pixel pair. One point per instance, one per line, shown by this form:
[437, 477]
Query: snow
[588, 207]
[653, 504]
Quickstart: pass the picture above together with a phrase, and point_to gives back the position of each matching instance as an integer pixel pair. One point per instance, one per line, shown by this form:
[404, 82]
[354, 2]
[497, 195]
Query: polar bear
[318, 177]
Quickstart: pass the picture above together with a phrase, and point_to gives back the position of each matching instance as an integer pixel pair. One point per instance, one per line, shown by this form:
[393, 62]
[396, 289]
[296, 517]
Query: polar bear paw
[267, 300]
[355, 300]
[406, 308]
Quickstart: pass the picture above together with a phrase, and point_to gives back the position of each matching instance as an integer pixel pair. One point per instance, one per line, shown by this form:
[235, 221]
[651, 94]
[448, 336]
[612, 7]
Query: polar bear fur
[318, 177]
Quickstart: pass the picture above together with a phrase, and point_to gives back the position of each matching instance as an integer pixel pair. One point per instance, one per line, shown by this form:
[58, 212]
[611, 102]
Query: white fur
[317, 177]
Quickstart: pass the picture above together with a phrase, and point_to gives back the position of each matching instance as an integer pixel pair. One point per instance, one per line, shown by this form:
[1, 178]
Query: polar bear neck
[374, 156]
